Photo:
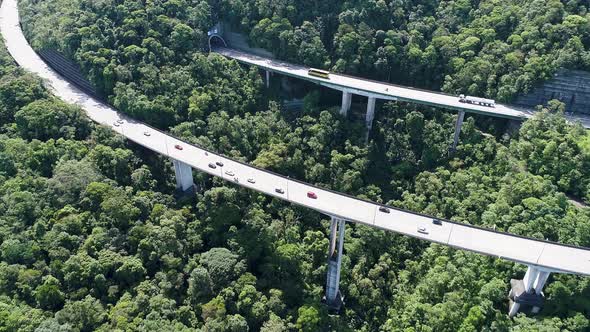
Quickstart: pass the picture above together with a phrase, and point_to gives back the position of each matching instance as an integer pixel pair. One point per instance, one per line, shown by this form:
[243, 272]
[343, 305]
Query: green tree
[49, 295]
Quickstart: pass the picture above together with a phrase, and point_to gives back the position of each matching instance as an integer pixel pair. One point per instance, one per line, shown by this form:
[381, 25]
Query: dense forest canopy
[92, 236]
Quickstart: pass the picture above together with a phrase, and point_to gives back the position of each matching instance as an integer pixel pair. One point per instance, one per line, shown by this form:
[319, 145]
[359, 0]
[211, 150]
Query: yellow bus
[319, 73]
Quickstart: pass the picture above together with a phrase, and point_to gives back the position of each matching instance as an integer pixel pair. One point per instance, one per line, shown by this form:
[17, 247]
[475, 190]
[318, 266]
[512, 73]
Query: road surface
[380, 90]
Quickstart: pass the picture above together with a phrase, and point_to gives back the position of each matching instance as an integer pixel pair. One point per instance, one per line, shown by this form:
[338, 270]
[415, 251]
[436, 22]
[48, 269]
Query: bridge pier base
[528, 291]
[184, 176]
[346, 102]
[267, 78]
[458, 126]
[370, 116]
[333, 298]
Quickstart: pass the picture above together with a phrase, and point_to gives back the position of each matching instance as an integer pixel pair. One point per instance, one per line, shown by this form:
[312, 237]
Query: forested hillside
[93, 238]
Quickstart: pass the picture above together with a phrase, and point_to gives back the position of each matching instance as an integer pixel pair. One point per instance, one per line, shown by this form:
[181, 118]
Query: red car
[311, 194]
[178, 147]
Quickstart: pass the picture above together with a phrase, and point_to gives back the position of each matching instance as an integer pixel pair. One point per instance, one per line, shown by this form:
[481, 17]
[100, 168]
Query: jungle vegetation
[94, 237]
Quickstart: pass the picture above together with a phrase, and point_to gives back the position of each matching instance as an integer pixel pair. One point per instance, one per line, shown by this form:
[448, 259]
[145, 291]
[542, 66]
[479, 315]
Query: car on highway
[279, 191]
[251, 180]
[147, 133]
[383, 209]
[178, 147]
[229, 173]
[116, 124]
[120, 121]
[422, 230]
[219, 163]
[437, 221]
[311, 194]
[212, 166]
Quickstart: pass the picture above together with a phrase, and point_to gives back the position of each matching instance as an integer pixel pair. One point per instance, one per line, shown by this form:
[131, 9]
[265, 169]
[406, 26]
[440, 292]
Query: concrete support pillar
[528, 291]
[346, 102]
[370, 116]
[538, 287]
[267, 78]
[540, 281]
[184, 175]
[529, 278]
[333, 297]
[458, 125]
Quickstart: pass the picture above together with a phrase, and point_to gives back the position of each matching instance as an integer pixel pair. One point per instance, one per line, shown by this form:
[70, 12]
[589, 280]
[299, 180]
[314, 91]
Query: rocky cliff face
[569, 86]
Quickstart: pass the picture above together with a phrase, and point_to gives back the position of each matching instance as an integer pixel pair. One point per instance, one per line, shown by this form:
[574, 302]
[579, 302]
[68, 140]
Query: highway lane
[387, 91]
[554, 257]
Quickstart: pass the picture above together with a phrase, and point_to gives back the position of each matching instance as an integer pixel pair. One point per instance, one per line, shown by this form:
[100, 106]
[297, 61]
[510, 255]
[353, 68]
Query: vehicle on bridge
[477, 101]
[319, 73]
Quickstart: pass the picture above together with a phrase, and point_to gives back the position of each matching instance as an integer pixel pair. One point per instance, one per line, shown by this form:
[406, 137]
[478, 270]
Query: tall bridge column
[370, 116]
[346, 101]
[184, 175]
[334, 298]
[528, 291]
[267, 78]
[458, 125]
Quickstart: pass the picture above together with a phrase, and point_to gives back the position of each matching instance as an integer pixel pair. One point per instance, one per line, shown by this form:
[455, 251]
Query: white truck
[477, 101]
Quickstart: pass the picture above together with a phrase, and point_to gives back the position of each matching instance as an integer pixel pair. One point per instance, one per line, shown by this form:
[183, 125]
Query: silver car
[422, 230]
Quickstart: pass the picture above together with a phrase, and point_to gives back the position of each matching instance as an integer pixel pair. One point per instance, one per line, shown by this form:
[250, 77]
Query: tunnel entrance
[216, 41]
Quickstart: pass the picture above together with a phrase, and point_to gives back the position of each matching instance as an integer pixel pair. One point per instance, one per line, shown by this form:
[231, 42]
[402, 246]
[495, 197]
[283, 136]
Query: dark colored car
[437, 222]
[279, 191]
[384, 209]
[212, 165]
[219, 163]
[178, 147]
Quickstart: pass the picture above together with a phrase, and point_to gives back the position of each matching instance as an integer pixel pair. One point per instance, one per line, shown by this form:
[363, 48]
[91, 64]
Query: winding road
[546, 255]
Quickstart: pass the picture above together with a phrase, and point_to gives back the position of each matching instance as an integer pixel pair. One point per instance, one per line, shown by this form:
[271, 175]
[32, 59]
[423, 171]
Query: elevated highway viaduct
[374, 90]
[541, 257]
